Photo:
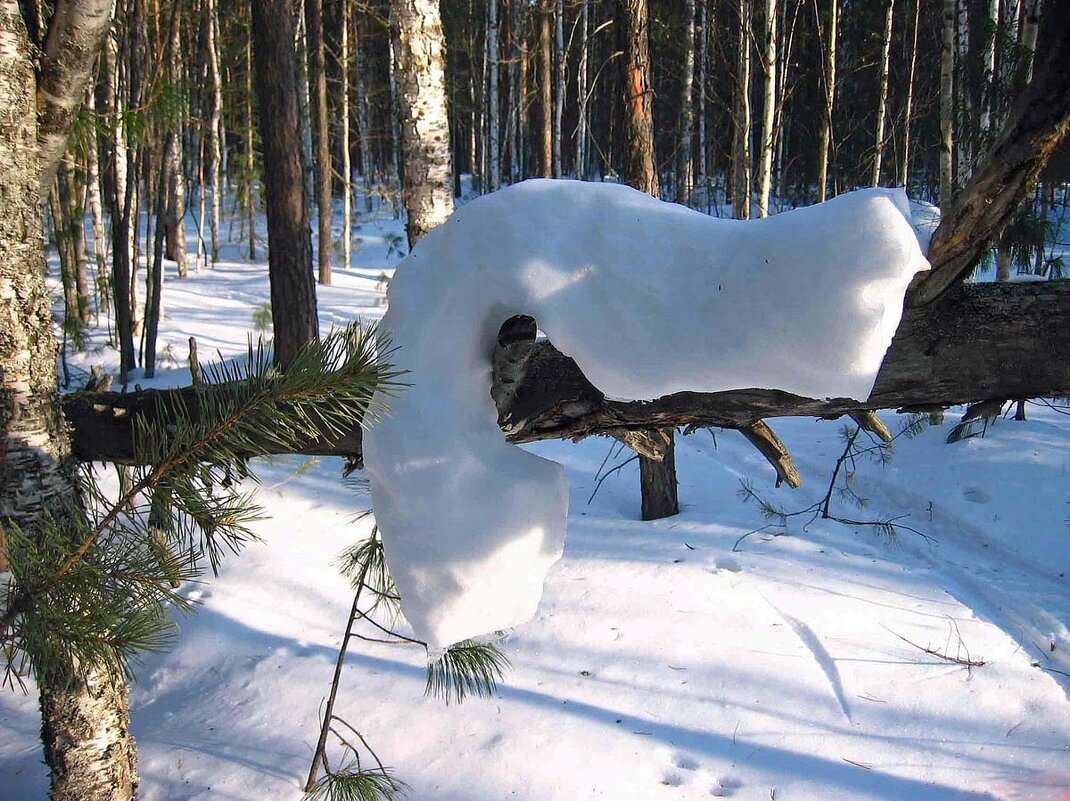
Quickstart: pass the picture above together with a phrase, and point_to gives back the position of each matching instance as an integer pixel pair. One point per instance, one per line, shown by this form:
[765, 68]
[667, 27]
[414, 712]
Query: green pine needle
[353, 784]
[467, 668]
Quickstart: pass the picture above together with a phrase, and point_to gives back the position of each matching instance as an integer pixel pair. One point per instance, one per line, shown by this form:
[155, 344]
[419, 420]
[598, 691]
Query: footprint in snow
[726, 787]
[671, 779]
[685, 762]
[728, 564]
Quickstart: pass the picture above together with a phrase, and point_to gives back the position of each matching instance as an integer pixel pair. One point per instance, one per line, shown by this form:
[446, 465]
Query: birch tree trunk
[581, 92]
[904, 164]
[85, 716]
[215, 122]
[831, 32]
[769, 106]
[989, 61]
[947, 108]
[684, 160]
[174, 224]
[741, 155]
[425, 134]
[494, 155]
[882, 102]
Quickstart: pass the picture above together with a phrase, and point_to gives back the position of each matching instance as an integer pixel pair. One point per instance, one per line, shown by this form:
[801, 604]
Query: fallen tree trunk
[978, 342]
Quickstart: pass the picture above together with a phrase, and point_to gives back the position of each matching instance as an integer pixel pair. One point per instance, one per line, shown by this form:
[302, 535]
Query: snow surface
[663, 664]
[649, 298]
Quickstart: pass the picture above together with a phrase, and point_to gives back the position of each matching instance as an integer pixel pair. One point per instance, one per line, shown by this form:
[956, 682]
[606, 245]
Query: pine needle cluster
[93, 581]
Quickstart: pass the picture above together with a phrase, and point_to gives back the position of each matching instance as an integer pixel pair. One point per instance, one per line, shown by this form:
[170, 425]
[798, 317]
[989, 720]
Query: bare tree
[317, 72]
[904, 163]
[831, 33]
[947, 108]
[741, 142]
[494, 156]
[687, 126]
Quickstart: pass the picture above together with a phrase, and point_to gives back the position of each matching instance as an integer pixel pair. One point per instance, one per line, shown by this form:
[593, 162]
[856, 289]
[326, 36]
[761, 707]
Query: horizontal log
[977, 342]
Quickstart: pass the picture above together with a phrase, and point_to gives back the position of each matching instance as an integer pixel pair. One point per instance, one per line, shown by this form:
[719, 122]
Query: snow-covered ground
[668, 660]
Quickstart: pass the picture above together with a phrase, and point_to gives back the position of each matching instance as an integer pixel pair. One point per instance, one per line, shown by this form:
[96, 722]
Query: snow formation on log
[649, 298]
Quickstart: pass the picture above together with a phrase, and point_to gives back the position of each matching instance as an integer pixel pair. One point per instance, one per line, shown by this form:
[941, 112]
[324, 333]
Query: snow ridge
[649, 298]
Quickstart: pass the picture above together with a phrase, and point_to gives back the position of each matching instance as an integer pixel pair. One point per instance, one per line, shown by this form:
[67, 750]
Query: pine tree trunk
[904, 164]
[559, 84]
[882, 102]
[657, 479]
[546, 99]
[687, 125]
[293, 290]
[367, 169]
[765, 161]
[85, 732]
[425, 135]
[831, 32]
[494, 156]
[703, 48]
[250, 149]
[317, 73]
[947, 108]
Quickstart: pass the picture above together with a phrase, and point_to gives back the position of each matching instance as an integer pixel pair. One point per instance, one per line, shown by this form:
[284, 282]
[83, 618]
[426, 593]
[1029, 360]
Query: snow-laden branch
[649, 299]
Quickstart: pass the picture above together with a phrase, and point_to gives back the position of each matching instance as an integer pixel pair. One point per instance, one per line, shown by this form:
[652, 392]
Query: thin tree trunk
[559, 84]
[825, 139]
[989, 63]
[174, 224]
[882, 102]
[769, 105]
[687, 125]
[293, 290]
[367, 170]
[546, 100]
[904, 164]
[494, 156]
[703, 40]
[741, 154]
[96, 213]
[947, 108]
[154, 266]
[317, 71]
[425, 135]
[347, 166]
[215, 122]
[581, 92]
[250, 148]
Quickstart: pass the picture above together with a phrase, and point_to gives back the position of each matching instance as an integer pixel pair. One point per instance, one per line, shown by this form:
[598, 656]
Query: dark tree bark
[954, 351]
[657, 477]
[317, 72]
[546, 95]
[293, 290]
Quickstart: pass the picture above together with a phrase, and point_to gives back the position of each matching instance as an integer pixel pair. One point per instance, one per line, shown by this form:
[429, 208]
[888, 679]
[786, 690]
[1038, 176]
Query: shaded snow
[649, 298]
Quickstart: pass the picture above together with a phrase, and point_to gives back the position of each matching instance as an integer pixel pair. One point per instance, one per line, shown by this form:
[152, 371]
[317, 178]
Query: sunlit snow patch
[649, 298]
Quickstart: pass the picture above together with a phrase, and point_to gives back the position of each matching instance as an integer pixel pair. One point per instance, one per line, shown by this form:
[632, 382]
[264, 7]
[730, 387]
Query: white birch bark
[765, 161]
[882, 102]
[425, 135]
